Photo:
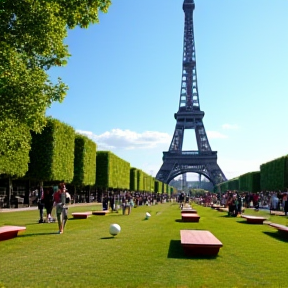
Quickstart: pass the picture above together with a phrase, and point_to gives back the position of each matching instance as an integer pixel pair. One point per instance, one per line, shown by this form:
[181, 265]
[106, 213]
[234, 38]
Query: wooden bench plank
[254, 219]
[199, 242]
[9, 232]
[190, 217]
[81, 215]
[100, 213]
[280, 227]
[188, 210]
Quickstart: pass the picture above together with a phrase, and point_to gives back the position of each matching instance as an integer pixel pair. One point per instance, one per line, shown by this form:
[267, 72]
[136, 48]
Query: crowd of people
[235, 201]
[127, 200]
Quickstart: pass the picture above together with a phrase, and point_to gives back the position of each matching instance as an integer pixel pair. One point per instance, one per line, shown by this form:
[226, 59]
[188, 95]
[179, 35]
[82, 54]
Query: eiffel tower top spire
[188, 4]
[189, 99]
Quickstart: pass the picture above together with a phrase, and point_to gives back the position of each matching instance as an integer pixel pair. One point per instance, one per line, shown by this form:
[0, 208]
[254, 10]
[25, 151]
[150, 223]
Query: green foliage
[25, 93]
[274, 174]
[158, 186]
[146, 182]
[37, 28]
[233, 184]
[140, 180]
[52, 153]
[152, 183]
[15, 143]
[164, 188]
[133, 179]
[198, 192]
[32, 34]
[112, 171]
[84, 161]
[250, 182]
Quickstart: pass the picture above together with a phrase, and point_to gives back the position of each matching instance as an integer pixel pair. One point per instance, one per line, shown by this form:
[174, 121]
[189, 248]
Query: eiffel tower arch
[189, 116]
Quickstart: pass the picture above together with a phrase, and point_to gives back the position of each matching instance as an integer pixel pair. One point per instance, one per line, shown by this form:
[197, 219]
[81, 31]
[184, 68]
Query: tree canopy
[32, 34]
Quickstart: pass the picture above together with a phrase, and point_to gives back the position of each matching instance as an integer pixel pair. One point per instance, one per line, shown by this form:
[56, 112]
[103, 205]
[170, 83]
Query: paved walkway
[6, 210]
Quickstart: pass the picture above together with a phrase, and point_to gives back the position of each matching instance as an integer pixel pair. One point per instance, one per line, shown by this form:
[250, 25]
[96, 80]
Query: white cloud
[215, 135]
[234, 167]
[230, 127]
[127, 139]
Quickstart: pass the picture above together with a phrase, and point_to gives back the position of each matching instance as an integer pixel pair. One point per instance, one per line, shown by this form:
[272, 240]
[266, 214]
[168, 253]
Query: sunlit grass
[146, 253]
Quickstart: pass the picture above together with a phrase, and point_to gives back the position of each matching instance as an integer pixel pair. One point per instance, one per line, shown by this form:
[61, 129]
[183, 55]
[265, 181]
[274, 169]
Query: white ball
[114, 229]
[148, 215]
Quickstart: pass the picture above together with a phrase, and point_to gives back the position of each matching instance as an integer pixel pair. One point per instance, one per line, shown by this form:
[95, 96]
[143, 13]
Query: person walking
[48, 203]
[61, 211]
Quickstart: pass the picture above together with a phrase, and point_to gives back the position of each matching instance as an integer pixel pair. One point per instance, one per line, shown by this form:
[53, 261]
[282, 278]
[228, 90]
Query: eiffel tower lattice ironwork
[189, 116]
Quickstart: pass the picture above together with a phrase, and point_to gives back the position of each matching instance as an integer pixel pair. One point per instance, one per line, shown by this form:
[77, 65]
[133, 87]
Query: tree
[31, 40]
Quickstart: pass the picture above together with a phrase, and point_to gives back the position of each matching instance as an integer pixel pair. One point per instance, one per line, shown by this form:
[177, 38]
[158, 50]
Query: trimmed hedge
[250, 182]
[140, 180]
[233, 184]
[164, 188]
[15, 144]
[84, 161]
[112, 171]
[274, 174]
[52, 153]
[133, 179]
[158, 186]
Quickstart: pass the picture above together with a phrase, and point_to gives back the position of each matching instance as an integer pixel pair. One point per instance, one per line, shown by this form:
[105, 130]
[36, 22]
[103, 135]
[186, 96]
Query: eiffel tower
[189, 116]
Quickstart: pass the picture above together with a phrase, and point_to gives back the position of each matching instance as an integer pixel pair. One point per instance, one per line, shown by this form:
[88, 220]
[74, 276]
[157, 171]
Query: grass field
[146, 253]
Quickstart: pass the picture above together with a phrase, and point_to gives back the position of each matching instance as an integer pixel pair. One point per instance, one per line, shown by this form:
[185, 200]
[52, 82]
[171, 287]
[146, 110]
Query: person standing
[40, 203]
[48, 203]
[59, 202]
[285, 203]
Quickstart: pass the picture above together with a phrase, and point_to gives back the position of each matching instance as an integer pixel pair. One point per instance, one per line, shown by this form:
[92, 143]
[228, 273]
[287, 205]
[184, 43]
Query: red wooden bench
[199, 242]
[281, 228]
[81, 215]
[101, 213]
[188, 210]
[190, 217]
[8, 232]
[254, 219]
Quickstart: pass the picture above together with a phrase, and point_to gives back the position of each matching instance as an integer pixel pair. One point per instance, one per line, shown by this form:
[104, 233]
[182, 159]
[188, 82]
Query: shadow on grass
[179, 220]
[37, 234]
[176, 251]
[105, 238]
[72, 219]
[245, 222]
[279, 235]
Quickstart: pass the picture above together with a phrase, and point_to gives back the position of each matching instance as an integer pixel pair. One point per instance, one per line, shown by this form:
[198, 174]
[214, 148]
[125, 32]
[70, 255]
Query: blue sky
[124, 80]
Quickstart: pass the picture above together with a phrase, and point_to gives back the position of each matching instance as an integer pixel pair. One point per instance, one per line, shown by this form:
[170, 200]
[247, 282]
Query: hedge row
[273, 176]
[60, 154]
[112, 171]
[250, 182]
[52, 153]
[84, 161]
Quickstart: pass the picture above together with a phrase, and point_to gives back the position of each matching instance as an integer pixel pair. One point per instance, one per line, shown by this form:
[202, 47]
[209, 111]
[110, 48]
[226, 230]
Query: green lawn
[146, 253]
